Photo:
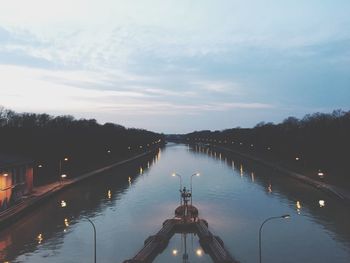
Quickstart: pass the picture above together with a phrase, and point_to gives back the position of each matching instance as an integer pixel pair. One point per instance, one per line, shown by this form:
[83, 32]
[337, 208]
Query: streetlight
[175, 174]
[63, 176]
[93, 226]
[195, 174]
[60, 168]
[268, 219]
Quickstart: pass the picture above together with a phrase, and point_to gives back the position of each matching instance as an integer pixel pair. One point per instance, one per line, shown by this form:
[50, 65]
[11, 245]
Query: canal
[235, 196]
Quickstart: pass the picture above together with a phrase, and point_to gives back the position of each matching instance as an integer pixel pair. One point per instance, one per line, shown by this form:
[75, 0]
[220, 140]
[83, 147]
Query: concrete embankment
[42, 193]
[342, 194]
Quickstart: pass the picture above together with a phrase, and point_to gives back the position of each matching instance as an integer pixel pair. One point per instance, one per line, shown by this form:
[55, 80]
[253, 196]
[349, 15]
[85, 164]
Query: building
[16, 179]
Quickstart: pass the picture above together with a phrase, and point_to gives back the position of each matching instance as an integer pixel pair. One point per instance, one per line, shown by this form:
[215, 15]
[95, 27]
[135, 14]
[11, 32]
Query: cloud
[167, 108]
[172, 57]
[224, 87]
[38, 90]
[165, 93]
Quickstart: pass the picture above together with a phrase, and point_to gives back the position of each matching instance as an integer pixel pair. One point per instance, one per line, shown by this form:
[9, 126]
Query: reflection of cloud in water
[217, 219]
[160, 212]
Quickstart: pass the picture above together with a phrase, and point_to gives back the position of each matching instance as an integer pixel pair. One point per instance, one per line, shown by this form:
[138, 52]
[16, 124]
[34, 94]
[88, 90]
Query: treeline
[48, 140]
[317, 142]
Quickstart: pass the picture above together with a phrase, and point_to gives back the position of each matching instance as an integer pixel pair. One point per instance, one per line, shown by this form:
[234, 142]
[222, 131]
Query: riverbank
[42, 193]
[341, 194]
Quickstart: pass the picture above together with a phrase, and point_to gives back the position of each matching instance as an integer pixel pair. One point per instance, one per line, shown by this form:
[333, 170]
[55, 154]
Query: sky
[175, 66]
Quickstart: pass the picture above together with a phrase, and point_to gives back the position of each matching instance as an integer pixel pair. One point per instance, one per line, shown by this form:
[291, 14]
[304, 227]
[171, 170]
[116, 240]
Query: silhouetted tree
[321, 140]
[48, 139]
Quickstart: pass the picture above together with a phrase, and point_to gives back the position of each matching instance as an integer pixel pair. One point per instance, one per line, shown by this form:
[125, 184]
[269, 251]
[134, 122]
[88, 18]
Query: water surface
[235, 196]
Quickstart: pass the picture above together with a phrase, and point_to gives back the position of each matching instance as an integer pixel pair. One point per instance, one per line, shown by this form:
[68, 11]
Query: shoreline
[339, 193]
[42, 193]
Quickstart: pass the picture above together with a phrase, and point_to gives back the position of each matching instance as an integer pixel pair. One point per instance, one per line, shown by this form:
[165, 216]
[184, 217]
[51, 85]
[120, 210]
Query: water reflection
[322, 203]
[289, 190]
[49, 225]
[298, 206]
[199, 252]
[40, 238]
[63, 203]
[233, 206]
[183, 248]
[269, 188]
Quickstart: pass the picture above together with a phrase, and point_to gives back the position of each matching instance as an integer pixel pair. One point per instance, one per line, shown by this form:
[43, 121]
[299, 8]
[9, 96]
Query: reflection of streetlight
[268, 219]
[93, 225]
[298, 205]
[321, 203]
[199, 252]
[269, 188]
[195, 174]
[40, 238]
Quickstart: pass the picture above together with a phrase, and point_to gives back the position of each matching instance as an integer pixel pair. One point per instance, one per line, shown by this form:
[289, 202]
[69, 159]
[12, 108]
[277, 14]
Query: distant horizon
[170, 132]
[175, 66]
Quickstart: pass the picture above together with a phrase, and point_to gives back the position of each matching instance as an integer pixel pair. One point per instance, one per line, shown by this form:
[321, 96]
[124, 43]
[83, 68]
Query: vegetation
[316, 145]
[87, 144]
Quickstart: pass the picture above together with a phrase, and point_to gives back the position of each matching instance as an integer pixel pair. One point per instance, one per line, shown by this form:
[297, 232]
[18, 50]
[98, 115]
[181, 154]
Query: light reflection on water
[183, 246]
[130, 203]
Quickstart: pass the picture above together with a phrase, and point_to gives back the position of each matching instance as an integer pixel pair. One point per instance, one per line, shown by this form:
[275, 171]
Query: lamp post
[175, 174]
[266, 220]
[93, 226]
[195, 174]
[60, 168]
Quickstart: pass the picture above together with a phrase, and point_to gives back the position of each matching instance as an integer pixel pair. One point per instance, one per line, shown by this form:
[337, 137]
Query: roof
[12, 160]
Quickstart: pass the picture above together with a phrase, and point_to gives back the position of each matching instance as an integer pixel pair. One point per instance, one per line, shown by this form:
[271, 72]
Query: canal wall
[42, 193]
[339, 193]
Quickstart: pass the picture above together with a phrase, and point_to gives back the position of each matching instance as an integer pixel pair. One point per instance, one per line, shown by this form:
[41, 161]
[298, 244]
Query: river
[129, 203]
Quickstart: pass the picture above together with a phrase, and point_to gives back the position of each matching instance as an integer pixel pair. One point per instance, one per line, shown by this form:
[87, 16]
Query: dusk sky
[175, 66]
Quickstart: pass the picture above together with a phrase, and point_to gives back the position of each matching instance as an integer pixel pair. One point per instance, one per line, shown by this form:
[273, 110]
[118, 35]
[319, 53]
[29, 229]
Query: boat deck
[211, 244]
